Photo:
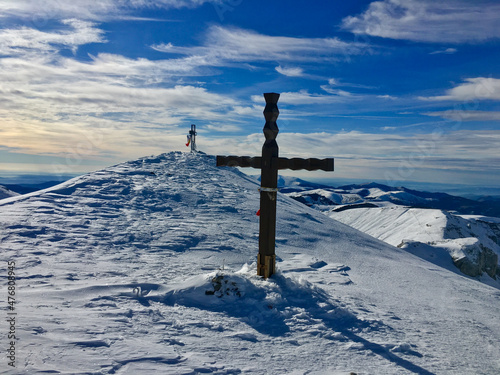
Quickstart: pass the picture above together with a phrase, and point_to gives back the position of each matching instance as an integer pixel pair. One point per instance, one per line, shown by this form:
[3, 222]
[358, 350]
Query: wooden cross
[269, 164]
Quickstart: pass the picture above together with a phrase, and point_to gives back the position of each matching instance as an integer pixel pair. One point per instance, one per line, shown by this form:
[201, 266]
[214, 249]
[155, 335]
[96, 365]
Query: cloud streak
[224, 46]
[49, 101]
[447, 51]
[23, 40]
[396, 157]
[465, 115]
[304, 97]
[290, 72]
[479, 88]
[41, 11]
[448, 21]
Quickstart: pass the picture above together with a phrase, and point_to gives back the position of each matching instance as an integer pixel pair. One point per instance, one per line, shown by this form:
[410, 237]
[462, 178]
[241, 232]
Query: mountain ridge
[414, 198]
[402, 217]
[5, 192]
[140, 268]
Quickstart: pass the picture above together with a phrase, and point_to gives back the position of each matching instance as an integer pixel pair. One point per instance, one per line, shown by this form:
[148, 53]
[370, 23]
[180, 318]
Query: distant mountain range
[439, 227]
[352, 196]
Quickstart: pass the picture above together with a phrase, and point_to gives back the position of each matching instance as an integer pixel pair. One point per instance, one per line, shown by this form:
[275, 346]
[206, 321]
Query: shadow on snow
[278, 306]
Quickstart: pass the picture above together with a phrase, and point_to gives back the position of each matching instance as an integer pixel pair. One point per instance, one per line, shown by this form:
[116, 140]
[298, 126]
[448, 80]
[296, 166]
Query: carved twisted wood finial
[271, 114]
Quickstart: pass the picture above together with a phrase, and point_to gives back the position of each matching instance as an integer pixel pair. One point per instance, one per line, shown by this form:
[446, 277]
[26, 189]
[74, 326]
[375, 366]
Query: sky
[394, 90]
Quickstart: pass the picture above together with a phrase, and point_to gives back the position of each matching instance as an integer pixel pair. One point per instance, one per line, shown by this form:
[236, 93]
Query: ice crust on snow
[138, 269]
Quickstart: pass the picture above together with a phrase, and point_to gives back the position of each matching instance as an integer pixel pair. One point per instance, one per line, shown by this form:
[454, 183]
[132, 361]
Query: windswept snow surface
[148, 267]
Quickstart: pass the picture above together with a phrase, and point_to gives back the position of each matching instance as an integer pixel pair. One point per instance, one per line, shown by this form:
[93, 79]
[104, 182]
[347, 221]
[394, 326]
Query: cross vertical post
[269, 164]
[266, 260]
[192, 137]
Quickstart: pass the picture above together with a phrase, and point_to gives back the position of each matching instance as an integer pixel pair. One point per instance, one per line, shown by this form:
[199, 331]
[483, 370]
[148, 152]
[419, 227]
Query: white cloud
[290, 72]
[223, 128]
[39, 83]
[16, 42]
[479, 88]
[304, 97]
[224, 46]
[49, 101]
[47, 89]
[333, 84]
[336, 92]
[41, 11]
[438, 156]
[332, 88]
[447, 51]
[388, 97]
[450, 21]
[465, 115]
[335, 96]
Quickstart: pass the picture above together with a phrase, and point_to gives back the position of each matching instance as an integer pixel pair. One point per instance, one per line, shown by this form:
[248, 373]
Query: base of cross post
[266, 265]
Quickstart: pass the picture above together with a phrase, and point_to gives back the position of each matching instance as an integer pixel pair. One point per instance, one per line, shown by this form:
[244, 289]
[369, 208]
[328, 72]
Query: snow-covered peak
[469, 242]
[149, 267]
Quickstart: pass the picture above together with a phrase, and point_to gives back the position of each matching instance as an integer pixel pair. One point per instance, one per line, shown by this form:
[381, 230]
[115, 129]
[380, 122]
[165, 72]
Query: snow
[6, 193]
[428, 233]
[373, 194]
[149, 267]
[394, 224]
[332, 197]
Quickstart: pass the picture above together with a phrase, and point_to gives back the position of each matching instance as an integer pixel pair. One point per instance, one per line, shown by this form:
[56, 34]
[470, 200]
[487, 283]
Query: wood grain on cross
[269, 164]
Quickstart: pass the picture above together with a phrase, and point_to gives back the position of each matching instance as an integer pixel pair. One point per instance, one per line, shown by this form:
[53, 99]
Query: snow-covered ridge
[6, 193]
[472, 243]
[148, 267]
[396, 216]
[380, 195]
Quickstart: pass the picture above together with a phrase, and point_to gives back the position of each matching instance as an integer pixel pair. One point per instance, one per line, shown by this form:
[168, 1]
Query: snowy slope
[470, 242]
[118, 272]
[6, 193]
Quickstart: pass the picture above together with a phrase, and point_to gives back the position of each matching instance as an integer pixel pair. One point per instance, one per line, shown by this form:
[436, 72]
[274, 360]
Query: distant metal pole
[193, 133]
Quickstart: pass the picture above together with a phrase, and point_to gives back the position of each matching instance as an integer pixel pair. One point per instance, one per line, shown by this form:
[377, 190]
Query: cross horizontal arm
[239, 161]
[311, 164]
[294, 164]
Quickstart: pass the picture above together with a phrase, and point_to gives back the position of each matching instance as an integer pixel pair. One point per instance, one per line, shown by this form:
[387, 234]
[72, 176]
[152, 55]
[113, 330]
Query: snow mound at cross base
[272, 307]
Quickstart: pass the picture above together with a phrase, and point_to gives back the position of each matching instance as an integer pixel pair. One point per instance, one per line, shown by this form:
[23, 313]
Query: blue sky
[395, 90]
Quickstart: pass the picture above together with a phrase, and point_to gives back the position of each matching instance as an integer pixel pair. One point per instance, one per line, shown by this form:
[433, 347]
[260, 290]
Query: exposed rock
[489, 261]
[466, 266]
[476, 264]
[223, 286]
